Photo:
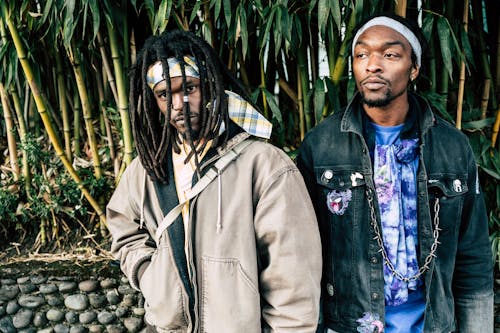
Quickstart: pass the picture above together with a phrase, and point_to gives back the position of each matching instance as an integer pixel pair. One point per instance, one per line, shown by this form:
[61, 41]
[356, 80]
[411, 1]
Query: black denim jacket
[335, 158]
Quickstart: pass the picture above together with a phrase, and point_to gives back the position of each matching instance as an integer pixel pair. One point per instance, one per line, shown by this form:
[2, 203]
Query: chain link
[380, 242]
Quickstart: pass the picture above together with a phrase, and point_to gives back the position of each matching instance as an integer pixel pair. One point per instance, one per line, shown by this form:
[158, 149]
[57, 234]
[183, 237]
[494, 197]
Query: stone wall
[69, 303]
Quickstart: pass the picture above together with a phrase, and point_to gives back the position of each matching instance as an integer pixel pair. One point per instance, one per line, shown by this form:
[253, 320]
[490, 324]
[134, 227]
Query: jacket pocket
[161, 287]
[344, 214]
[449, 190]
[229, 299]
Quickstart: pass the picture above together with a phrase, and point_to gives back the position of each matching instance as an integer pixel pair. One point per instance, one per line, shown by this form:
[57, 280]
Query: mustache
[371, 77]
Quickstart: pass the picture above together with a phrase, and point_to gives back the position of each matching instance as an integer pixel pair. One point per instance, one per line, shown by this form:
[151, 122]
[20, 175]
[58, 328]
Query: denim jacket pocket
[448, 190]
[343, 195]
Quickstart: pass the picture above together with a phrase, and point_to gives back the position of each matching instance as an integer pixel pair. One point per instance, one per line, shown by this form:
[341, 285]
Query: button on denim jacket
[335, 161]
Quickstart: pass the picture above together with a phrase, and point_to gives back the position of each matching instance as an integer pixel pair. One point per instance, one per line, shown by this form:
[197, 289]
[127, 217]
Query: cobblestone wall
[65, 304]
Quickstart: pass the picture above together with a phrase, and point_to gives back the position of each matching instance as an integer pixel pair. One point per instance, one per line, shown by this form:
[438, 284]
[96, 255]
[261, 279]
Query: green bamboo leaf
[227, 11]
[467, 48]
[218, 5]
[478, 124]
[69, 22]
[319, 99]
[271, 100]
[323, 11]
[194, 12]
[47, 10]
[265, 36]
[242, 17]
[96, 17]
[336, 13]
[428, 26]
[444, 38]
[255, 95]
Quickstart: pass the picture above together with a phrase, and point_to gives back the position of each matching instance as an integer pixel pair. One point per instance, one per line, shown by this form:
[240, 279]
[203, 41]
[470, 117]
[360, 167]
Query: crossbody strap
[209, 176]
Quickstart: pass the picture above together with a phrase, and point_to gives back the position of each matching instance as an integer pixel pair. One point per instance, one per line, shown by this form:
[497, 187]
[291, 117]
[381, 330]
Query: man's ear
[414, 72]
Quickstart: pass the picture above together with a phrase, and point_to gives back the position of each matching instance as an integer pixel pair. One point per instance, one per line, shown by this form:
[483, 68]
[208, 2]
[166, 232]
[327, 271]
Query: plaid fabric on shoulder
[247, 117]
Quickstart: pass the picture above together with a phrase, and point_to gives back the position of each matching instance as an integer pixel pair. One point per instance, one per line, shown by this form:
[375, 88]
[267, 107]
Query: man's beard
[380, 102]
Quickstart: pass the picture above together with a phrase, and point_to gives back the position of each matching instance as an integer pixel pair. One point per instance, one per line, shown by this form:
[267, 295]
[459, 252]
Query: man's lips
[373, 83]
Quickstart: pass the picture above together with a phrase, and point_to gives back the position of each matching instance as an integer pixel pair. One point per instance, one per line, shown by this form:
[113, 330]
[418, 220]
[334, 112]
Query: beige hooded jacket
[254, 261]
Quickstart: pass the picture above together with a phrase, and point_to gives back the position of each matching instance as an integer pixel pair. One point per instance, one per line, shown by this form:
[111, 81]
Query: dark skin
[194, 97]
[383, 68]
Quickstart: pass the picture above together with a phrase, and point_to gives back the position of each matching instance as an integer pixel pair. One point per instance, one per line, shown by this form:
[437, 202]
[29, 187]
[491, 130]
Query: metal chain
[380, 242]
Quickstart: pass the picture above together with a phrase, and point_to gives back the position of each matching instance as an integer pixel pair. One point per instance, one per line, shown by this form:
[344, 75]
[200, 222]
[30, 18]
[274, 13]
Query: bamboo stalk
[77, 110]
[107, 67]
[122, 96]
[401, 8]
[302, 126]
[303, 81]
[86, 110]
[35, 89]
[61, 93]
[496, 127]
[461, 82]
[262, 86]
[340, 63]
[485, 97]
[11, 138]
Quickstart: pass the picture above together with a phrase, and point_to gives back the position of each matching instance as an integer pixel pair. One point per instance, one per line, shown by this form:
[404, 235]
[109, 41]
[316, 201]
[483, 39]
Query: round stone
[87, 317]
[121, 311]
[22, 318]
[61, 328]
[108, 283]
[71, 317]
[12, 307]
[77, 302]
[115, 329]
[67, 286]
[95, 328]
[31, 301]
[8, 292]
[48, 288]
[133, 324]
[6, 325]
[28, 330]
[53, 300]
[124, 279]
[113, 297]
[7, 281]
[88, 286]
[38, 279]
[40, 319]
[27, 287]
[129, 300]
[106, 317]
[126, 290]
[46, 330]
[138, 311]
[97, 300]
[78, 329]
[23, 280]
[55, 315]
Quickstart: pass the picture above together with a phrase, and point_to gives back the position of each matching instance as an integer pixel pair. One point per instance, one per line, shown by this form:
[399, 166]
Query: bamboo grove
[65, 132]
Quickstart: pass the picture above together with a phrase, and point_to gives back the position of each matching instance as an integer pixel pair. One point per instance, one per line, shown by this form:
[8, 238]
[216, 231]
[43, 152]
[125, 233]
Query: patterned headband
[394, 25]
[155, 71]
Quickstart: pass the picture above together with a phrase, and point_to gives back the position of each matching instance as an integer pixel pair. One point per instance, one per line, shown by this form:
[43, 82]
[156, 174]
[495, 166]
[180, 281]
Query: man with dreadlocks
[212, 224]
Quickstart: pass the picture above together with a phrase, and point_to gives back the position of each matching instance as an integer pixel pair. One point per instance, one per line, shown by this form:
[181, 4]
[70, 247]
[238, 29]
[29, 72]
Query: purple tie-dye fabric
[395, 183]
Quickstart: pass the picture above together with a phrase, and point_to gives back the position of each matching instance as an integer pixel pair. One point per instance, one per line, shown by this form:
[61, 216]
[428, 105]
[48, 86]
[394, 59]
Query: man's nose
[178, 101]
[374, 63]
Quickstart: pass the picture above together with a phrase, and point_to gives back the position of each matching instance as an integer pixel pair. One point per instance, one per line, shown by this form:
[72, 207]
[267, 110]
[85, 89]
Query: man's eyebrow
[386, 44]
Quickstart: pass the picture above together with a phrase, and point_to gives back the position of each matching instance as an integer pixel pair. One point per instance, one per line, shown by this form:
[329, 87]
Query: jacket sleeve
[473, 276]
[289, 249]
[131, 243]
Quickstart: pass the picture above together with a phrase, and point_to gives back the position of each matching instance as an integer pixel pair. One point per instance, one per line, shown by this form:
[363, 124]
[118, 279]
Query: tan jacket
[255, 256]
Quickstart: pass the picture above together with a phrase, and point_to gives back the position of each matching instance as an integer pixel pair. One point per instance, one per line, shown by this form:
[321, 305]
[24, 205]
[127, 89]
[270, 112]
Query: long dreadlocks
[153, 133]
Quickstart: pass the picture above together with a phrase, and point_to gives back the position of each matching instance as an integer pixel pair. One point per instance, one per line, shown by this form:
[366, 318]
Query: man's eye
[191, 89]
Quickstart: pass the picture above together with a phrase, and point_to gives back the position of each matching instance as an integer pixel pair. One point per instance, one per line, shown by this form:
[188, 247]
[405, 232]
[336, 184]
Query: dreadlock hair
[153, 133]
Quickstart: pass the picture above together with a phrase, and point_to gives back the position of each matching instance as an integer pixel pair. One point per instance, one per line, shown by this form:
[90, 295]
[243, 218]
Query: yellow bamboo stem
[485, 98]
[401, 8]
[496, 127]
[300, 101]
[461, 83]
[87, 113]
[107, 67]
[35, 89]
[10, 127]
